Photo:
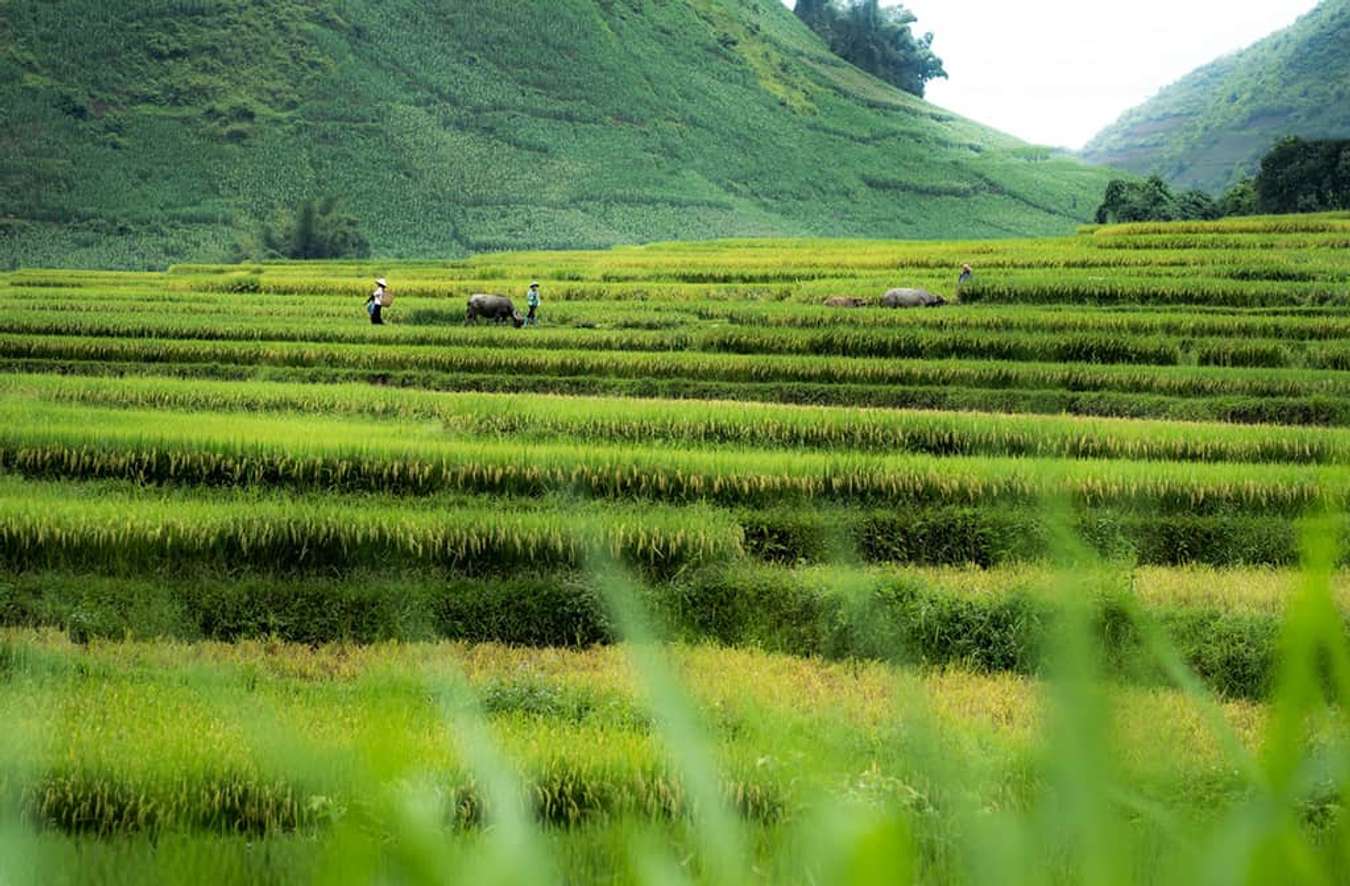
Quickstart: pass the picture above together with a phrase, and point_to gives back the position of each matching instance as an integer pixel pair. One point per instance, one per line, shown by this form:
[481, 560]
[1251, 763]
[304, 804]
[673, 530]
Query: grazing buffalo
[911, 298]
[497, 308]
[845, 301]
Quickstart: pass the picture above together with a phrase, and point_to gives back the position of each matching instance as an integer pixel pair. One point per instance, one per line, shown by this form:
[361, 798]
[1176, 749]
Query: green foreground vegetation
[1044, 585]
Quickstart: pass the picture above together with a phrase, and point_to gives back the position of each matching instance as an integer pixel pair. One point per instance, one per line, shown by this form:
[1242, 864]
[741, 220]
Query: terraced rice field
[273, 577]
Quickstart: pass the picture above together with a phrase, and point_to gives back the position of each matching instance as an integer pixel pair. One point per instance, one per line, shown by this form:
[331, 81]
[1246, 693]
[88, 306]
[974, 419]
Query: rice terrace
[668, 442]
[1005, 576]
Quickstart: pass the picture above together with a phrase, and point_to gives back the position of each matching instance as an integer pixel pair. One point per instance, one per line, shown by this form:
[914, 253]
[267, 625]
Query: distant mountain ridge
[1212, 127]
[142, 132]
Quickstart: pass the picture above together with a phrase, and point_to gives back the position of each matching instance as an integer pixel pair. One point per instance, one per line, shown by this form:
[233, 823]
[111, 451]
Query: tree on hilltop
[876, 39]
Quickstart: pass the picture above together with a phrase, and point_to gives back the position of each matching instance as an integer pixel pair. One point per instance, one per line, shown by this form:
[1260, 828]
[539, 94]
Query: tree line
[877, 39]
[1297, 175]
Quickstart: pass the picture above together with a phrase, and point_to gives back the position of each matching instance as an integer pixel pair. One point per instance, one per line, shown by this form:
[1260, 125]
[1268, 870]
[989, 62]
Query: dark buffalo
[497, 308]
[845, 301]
[911, 298]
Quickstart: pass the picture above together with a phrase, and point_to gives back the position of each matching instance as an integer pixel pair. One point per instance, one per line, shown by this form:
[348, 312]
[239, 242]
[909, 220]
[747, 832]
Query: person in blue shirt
[966, 275]
[532, 300]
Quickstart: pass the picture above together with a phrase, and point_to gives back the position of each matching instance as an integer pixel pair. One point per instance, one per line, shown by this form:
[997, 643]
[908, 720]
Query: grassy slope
[1213, 125]
[134, 134]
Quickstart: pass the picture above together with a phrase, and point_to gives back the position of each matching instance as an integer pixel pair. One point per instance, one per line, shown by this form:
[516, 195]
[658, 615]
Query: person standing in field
[532, 300]
[966, 275]
[376, 302]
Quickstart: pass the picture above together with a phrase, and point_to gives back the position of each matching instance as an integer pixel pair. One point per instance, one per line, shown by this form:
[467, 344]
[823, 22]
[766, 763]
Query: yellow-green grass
[1016, 334]
[729, 368]
[81, 442]
[742, 340]
[650, 331]
[1235, 591]
[702, 423]
[1053, 288]
[1260, 224]
[188, 729]
[134, 530]
[334, 315]
[1309, 409]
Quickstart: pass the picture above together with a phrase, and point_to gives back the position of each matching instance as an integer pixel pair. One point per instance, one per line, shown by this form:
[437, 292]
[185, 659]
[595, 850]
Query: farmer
[966, 275]
[532, 301]
[376, 302]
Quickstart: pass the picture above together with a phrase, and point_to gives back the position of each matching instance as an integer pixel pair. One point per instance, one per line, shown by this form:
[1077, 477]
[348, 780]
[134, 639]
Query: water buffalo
[911, 298]
[497, 308]
[845, 301]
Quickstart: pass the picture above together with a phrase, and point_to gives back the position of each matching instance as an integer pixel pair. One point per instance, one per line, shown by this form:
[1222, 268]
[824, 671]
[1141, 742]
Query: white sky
[1056, 72]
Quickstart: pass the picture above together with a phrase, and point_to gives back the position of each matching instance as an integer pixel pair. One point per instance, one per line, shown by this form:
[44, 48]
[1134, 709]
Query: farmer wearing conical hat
[377, 300]
[532, 300]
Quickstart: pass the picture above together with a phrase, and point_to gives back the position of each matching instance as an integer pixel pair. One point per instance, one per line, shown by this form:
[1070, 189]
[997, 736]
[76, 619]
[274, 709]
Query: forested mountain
[142, 132]
[1212, 127]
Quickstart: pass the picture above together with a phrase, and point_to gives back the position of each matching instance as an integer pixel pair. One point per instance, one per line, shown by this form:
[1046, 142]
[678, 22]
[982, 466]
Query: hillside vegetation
[1211, 128]
[140, 133]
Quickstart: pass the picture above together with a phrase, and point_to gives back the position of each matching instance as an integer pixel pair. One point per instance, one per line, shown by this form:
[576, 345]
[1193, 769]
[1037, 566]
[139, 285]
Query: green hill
[142, 132]
[1212, 127]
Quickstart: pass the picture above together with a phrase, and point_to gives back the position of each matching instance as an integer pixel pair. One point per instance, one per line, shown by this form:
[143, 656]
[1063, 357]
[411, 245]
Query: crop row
[77, 279]
[1227, 244]
[45, 526]
[924, 616]
[806, 369]
[1296, 324]
[1254, 287]
[1315, 409]
[1329, 222]
[1216, 277]
[775, 290]
[1026, 316]
[261, 452]
[796, 279]
[893, 342]
[648, 422]
[290, 742]
[115, 531]
[1219, 269]
[1062, 289]
[1018, 335]
[330, 319]
[153, 753]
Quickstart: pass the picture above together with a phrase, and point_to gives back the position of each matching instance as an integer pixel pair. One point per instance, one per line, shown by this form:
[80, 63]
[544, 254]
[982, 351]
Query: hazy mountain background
[1212, 127]
[142, 132]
